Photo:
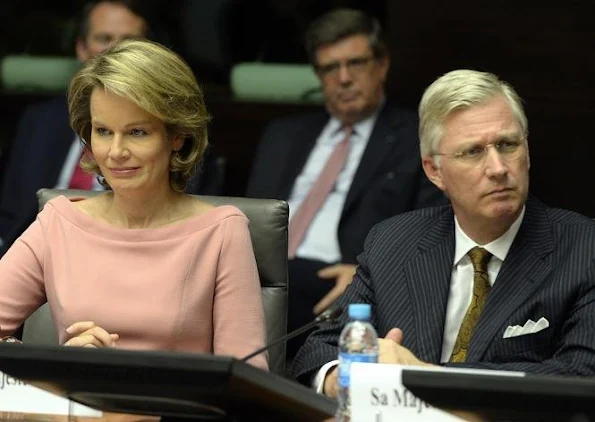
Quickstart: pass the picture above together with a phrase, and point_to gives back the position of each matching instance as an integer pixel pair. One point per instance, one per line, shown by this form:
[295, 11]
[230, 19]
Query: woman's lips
[124, 171]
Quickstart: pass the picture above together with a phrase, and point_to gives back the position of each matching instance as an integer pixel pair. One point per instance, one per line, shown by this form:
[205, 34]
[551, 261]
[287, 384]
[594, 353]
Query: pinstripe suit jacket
[405, 273]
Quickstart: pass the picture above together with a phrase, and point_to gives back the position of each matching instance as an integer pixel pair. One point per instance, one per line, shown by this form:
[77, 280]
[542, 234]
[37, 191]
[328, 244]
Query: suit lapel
[302, 144]
[56, 145]
[382, 140]
[428, 276]
[523, 271]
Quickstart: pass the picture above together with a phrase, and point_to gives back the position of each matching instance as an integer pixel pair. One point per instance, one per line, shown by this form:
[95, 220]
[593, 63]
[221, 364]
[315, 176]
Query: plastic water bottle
[358, 343]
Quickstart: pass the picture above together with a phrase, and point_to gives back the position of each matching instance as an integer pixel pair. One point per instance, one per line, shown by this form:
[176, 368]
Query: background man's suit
[549, 272]
[43, 139]
[388, 181]
[42, 142]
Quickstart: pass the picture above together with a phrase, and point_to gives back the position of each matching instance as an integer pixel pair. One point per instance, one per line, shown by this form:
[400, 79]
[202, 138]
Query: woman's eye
[138, 132]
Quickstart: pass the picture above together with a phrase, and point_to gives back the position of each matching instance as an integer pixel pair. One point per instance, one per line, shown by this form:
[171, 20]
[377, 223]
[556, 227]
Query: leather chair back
[268, 230]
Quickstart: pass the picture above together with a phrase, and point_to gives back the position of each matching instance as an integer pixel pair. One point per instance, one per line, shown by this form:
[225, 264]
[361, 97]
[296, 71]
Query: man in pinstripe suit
[415, 271]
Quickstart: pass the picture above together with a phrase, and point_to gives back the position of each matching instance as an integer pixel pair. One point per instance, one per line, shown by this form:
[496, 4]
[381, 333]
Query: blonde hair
[461, 89]
[158, 81]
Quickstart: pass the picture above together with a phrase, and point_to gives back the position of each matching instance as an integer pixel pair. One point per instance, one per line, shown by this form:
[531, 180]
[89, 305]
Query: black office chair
[268, 230]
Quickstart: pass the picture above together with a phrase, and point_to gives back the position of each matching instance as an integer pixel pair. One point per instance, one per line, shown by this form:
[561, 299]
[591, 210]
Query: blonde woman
[144, 265]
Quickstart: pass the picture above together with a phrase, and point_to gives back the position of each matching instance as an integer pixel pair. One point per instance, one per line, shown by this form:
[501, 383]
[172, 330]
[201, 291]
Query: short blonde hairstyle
[158, 81]
[456, 90]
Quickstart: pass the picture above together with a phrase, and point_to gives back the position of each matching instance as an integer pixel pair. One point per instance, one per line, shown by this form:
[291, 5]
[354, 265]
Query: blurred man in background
[342, 169]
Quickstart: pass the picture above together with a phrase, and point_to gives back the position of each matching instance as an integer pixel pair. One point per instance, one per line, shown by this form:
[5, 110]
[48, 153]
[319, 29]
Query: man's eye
[358, 62]
[328, 68]
[506, 145]
[473, 151]
[103, 38]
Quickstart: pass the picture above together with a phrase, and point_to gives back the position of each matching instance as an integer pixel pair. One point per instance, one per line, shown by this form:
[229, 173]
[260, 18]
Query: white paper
[378, 394]
[17, 396]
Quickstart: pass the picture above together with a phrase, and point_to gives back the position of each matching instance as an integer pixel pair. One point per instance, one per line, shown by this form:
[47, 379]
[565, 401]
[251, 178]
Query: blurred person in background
[368, 143]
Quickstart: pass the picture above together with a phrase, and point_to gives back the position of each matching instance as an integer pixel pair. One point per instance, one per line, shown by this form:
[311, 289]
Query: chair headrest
[37, 73]
[276, 82]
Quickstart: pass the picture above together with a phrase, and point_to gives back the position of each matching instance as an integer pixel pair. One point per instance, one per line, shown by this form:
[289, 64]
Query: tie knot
[479, 258]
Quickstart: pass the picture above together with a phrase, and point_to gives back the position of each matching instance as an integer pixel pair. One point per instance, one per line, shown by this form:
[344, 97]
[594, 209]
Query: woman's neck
[140, 210]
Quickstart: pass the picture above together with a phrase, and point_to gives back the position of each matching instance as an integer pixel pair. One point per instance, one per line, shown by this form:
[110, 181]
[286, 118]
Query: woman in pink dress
[143, 265]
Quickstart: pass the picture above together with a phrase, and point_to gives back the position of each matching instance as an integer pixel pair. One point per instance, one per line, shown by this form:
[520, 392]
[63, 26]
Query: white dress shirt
[461, 287]
[321, 240]
[461, 280]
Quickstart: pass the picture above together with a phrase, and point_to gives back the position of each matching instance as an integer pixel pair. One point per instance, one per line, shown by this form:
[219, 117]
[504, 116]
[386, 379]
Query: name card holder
[378, 394]
[19, 397]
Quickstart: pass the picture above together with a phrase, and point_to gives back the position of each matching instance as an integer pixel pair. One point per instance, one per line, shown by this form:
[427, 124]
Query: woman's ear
[177, 143]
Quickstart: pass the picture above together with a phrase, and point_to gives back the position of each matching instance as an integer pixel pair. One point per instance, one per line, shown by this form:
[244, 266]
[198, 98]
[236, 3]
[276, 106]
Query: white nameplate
[378, 395]
[17, 396]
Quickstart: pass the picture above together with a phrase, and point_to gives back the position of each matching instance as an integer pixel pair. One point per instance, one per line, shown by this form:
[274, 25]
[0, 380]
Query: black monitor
[173, 385]
[506, 398]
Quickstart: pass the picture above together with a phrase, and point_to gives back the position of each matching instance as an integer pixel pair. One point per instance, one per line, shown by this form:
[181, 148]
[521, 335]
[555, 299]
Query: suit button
[390, 175]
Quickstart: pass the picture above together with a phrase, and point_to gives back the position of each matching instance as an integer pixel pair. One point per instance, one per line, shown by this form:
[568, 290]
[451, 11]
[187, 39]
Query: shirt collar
[499, 247]
[362, 129]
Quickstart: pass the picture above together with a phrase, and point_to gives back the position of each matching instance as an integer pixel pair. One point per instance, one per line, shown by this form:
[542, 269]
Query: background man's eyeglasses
[355, 65]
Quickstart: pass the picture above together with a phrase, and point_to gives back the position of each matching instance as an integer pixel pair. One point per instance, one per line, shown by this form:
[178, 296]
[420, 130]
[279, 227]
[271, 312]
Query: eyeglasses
[507, 148]
[354, 66]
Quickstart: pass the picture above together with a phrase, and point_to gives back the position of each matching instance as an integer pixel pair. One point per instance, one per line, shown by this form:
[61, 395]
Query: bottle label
[345, 360]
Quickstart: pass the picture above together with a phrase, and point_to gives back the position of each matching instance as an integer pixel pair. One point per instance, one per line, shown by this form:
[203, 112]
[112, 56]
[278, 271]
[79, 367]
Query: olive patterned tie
[481, 287]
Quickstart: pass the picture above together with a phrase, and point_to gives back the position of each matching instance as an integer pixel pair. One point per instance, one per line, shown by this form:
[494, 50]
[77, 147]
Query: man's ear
[433, 171]
[82, 53]
[384, 65]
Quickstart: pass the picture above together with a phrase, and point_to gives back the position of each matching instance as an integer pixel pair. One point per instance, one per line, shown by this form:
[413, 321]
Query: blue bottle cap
[361, 311]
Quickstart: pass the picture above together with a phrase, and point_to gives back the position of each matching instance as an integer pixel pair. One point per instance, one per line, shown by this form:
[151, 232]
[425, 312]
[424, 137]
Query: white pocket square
[530, 327]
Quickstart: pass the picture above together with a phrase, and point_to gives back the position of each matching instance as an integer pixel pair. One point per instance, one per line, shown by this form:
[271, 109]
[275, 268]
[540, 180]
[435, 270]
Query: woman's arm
[238, 315]
[22, 288]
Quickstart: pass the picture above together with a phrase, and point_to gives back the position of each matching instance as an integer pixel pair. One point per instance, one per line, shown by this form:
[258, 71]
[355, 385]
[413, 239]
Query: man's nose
[344, 73]
[495, 163]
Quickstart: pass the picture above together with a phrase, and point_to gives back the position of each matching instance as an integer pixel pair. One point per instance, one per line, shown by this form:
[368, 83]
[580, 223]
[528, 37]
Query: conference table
[127, 385]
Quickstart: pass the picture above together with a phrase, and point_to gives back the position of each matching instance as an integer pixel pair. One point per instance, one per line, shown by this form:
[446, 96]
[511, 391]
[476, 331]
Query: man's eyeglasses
[476, 153]
[354, 66]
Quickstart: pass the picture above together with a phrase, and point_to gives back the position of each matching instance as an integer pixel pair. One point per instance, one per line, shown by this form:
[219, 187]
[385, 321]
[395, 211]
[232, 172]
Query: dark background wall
[546, 52]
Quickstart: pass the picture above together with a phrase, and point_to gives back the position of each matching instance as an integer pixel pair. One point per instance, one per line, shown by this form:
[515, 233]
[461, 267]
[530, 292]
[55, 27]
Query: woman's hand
[87, 334]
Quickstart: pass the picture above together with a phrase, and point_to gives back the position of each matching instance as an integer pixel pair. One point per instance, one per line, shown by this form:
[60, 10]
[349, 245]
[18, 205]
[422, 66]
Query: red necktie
[309, 207]
[81, 179]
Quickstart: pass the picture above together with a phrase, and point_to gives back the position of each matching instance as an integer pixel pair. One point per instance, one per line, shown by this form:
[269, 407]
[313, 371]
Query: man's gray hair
[456, 90]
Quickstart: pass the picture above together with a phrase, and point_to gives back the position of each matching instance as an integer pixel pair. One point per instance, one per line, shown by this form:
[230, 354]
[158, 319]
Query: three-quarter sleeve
[22, 288]
[238, 315]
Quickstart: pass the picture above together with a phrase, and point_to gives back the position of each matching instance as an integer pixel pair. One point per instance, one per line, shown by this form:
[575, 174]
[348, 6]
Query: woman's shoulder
[70, 209]
[63, 204]
[204, 210]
